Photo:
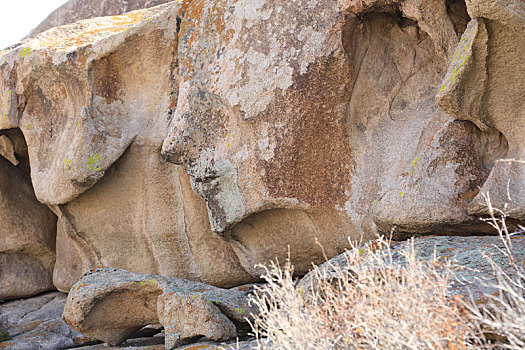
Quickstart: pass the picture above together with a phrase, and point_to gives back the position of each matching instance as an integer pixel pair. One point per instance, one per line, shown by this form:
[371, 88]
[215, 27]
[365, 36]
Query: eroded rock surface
[485, 84]
[110, 304]
[93, 111]
[27, 237]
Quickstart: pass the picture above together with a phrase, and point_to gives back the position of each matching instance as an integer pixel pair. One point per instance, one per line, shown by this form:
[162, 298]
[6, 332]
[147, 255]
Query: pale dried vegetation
[375, 304]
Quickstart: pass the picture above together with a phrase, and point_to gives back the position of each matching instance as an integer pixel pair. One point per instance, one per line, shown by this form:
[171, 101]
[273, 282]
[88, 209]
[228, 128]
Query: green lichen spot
[414, 162]
[374, 204]
[228, 145]
[152, 281]
[25, 52]
[240, 310]
[4, 335]
[93, 163]
[442, 87]
[401, 193]
[29, 127]
[361, 251]
[142, 283]
[67, 162]
[10, 92]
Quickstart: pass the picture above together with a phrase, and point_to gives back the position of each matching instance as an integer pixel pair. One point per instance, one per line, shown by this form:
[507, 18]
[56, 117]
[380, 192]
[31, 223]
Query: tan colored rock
[93, 111]
[111, 304]
[485, 84]
[7, 149]
[27, 231]
[192, 316]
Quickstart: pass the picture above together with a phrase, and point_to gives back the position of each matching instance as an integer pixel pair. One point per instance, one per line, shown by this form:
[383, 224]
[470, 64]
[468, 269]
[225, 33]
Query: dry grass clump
[371, 303]
[504, 316]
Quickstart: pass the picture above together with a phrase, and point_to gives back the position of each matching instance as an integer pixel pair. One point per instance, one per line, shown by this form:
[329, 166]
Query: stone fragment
[206, 319]
[7, 149]
[110, 304]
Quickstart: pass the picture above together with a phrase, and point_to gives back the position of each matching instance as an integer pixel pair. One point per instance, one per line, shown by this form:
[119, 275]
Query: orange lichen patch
[6, 345]
[94, 31]
[469, 195]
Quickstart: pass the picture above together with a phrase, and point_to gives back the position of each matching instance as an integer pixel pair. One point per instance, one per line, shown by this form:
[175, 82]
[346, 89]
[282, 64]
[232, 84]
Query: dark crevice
[457, 12]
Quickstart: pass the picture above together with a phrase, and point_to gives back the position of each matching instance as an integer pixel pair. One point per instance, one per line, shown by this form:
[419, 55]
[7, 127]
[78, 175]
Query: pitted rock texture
[36, 323]
[76, 10]
[473, 275]
[110, 304]
[93, 112]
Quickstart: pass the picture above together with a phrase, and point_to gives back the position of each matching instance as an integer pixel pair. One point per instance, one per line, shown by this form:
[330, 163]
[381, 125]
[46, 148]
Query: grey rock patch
[36, 323]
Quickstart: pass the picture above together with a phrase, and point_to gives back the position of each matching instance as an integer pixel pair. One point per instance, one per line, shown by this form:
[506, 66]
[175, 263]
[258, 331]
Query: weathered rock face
[27, 231]
[330, 116]
[110, 304]
[485, 84]
[296, 125]
[260, 125]
[76, 10]
[93, 110]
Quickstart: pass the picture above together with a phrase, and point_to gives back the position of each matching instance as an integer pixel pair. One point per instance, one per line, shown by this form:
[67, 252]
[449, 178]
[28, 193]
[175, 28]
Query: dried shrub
[371, 303]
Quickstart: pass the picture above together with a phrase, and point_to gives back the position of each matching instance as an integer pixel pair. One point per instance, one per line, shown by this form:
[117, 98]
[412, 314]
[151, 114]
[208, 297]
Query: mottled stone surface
[473, 274]
[36, 323]
[111, 304]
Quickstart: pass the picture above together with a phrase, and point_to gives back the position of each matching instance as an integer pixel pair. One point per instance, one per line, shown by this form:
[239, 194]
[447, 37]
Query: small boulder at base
[110, 304]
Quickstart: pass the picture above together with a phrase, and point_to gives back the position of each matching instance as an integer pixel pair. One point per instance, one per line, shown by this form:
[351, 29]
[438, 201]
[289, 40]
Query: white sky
[18, 17]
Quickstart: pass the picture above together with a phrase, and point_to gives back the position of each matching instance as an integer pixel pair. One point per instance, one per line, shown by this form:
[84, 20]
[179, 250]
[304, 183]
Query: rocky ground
[36, 323]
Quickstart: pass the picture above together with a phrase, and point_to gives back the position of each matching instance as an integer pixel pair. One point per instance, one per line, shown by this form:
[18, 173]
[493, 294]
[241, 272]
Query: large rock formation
[93, 110]
[472, 274]
[291, 126]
